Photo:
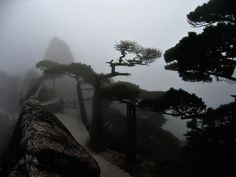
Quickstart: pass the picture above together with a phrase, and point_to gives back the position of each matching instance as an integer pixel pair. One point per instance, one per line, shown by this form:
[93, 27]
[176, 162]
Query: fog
[86, 31]
[92, 27]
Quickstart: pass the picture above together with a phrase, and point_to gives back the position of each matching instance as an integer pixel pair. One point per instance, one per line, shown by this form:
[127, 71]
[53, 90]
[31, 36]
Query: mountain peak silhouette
[59, 51]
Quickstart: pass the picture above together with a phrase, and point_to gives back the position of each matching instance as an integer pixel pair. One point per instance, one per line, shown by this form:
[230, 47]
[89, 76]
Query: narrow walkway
[71, 120]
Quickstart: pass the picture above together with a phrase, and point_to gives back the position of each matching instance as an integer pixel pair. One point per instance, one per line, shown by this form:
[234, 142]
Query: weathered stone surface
[42, 147]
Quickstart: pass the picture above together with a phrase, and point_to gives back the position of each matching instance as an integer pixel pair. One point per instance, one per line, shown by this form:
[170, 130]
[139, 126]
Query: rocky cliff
[42, 147]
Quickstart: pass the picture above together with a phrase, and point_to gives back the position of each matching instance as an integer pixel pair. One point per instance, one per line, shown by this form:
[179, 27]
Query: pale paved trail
[71, 120]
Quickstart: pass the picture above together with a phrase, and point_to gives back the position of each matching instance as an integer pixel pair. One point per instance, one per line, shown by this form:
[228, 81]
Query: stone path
[71, 120]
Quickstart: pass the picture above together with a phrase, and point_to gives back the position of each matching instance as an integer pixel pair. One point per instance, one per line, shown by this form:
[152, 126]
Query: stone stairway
[73, 123]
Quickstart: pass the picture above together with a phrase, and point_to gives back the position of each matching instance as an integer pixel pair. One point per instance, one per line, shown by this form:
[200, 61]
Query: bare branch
[183, 116]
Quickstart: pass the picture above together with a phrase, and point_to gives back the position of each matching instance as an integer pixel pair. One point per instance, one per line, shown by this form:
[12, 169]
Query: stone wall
[41, 146]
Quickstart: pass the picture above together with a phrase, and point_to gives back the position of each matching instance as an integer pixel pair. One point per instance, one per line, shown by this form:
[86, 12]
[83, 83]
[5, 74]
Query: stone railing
[41, 146]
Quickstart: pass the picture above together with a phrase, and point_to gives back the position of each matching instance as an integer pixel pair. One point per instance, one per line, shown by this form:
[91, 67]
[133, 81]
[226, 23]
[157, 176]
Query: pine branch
[113, 74]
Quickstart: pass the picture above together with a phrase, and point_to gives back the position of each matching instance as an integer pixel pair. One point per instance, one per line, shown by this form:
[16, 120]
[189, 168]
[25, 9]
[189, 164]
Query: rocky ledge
[41, 146]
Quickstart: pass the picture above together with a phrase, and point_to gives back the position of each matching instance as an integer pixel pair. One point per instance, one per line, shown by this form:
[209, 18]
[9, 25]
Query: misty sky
[92, 27]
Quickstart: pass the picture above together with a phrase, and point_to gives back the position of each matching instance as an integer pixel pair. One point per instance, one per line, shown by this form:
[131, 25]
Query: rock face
[42, 147]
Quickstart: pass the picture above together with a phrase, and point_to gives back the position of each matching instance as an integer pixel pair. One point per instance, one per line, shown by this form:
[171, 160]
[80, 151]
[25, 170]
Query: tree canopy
[139, 56]
[214, 11]
[198, 57]
[121, 91]
[173, 102]
[131, 54]
[74, 70]
[177, 103]
[213, 127]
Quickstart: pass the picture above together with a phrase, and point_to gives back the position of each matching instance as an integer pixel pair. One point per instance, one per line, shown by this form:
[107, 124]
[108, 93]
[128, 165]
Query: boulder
[41, 146]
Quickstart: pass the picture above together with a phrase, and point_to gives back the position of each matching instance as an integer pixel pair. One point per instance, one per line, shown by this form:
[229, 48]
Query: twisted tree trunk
[82, 108]
[131, 136]
[96, 134]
